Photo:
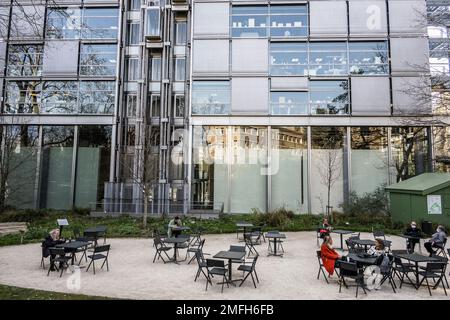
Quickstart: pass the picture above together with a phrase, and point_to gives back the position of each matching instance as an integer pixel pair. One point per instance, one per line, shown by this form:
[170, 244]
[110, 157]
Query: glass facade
[369, 58]
[25, 60]
[210, 97]
[98, 59]
[329, 97]
[288, 59]
[328, 58]
[289, 103]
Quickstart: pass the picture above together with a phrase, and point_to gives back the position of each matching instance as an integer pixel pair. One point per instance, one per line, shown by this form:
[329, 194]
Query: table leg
[229, 270]
[342, 242]
[417, 275]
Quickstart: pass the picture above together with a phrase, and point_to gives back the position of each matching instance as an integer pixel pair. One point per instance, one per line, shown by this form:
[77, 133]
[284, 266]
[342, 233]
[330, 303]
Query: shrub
[371, 203]
[277, 218]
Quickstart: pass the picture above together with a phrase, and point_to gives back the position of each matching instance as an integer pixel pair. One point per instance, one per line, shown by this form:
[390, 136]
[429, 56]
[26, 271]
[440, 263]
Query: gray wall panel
[367, 18]
[211, 19]
[54, 65]
[328, 18]
[211, 56]
[249, 96]
[370, 96]
[407, 17]
[409, 55]
[289, 83]
[250, 56]
[411, 95]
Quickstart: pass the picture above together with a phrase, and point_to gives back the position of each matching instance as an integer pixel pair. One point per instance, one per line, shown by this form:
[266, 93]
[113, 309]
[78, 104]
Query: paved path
[133, 275]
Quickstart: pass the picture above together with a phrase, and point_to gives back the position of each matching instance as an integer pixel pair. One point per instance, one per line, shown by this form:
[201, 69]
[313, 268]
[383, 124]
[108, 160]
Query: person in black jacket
[51, 241]
[412, 231]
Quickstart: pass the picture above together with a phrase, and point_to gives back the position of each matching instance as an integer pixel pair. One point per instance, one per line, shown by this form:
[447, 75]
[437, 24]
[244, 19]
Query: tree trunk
[144, 216]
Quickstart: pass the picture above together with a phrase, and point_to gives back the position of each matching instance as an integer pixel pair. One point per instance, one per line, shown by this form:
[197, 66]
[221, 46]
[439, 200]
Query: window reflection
[211, 97]
[328, 58]
[98, 59]
[368, 57]
[329, 97]
[25, 60]
[289, 102]
[288, 59]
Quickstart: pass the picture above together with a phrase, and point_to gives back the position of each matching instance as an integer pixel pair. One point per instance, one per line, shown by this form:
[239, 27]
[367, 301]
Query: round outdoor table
[364, 242]
[176, 242]
[341, 233]
[362, 260]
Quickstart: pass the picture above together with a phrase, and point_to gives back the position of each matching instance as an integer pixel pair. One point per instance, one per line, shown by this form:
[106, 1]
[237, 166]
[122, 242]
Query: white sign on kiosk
[434, 204]
[62, 222]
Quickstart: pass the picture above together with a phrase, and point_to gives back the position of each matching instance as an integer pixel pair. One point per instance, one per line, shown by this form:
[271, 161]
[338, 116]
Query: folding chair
[160, 248]
[434, 270]
[216, 267]
[319, 259]
[388, 274]
[250, 244]
[98, 255]
[201, 264]
[250, 269]
[42, 257]
[256, 233]
[194, 249]
[279, 242]
[238, 249]
[402, 270]
[350, 270]
[58, 255]
[441, 249]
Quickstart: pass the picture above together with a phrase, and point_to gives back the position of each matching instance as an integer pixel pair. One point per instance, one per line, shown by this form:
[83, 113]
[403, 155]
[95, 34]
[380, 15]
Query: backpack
[383, 262]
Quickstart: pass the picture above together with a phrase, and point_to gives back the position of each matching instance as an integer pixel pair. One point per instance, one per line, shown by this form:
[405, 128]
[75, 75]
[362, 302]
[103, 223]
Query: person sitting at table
[325, 228]
[51, 241]
[378, 249]
[176, 222]
[330, 257]
[415, 232]
[437, 240]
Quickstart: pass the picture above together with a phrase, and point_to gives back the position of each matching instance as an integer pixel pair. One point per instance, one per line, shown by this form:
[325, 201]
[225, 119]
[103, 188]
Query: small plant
[371, 203]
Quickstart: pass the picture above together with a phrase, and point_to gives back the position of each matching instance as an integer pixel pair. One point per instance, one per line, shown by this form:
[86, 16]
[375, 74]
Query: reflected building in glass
[204, 106]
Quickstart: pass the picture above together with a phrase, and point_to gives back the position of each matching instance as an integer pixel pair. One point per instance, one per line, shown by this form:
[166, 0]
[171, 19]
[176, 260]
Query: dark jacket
[413, 232]
[49, 243]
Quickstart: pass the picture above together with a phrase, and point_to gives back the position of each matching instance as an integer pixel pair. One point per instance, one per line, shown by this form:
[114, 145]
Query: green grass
[42, 221]
[16, 293]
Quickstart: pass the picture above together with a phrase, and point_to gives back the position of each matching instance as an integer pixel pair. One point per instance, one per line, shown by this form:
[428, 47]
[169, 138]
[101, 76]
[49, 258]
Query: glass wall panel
[60, 97]
[23, 96]
[134, 5]
[328, 58]
[211, 97]
[97, 97]
[409, 152]
[93, 160]
[249, 21]
[179, 106]
[369, 159]
[131, 103]
[153, 24]
[132, 69]
[441, 140]
[327, 163]
[289, 165]
[180, 33]
[288, 59]
[19, 155]
[329, 97]
[98, 59]
[369, 57]
[289, 102]
[155, 67]
[25, 60]
[56, 173]
[100, 23]
[288, 21]
[63, 23]
[180, 69]
[133, 33]
[249, 171]
[210, 174]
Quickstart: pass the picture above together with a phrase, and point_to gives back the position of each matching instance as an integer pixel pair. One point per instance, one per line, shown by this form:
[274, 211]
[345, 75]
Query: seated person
[378, 249]
[412, 231]
[51, 241]
[330, 257]
[176, 222]
[325, 228]
[437, 240]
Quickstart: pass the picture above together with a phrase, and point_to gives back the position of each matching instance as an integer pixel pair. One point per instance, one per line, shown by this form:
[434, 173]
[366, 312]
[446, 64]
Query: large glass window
[210, 174]
[288, 21]
[155, 66]
[327, 163]
[100, 23]
[211, 97]
[56, 173]
[19, 153]
[180, 33]
[289, 102]
[98, 59]
[288, 59]
[368, 57]
[369, 158]
[329, 97]
[155, 105]
[60, 97]
[153, 22]
[249, 169]
[132, 69]
[133, 33]
[97, 96]
[328, 58]
[179, 106]
[93, 160]
[63, 23]
[249, 21]
[131, 103]
[439, 55]
[289, 160]
[180, 69]
[25, 60]
[23, 96]
[134, 5]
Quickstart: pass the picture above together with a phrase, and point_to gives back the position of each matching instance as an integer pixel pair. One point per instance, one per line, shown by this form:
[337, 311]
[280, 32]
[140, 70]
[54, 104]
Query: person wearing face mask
[437, 240]
[415, 232]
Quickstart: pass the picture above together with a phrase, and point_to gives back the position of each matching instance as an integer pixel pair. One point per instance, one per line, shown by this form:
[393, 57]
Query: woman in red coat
[329, 255]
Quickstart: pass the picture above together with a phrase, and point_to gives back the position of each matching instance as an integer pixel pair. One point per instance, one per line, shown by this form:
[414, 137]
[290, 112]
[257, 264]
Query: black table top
[180, 228]
[364, 260]
[415, 257]
[176, 240]
[73, 244]
[98, 229]
[244, 224]
[276, 235]
[233, 255]
[364, 242]
[342, 231]
[408, 237]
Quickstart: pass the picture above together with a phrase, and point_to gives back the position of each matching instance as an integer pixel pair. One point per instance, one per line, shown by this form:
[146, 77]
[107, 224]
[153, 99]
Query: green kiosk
[425, 197]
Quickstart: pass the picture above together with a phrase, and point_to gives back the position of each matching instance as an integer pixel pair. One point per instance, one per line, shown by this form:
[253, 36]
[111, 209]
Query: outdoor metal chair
[381, 235]
[321, 267]
[201, 264]
[351, 271]
[250, 244]
[271, 241]
[196, 237]
[42, 257]
[353, 247]
[58, 255]
[402, 270]
[239, 230]
[216, 267]
[388, 274]
[100, 253]
[160, 247]
[194, 249]
[250, 269]
[238, 249]
[256, 234]
[441, 249]
[434, 270]
[262, 226]
[184, 245]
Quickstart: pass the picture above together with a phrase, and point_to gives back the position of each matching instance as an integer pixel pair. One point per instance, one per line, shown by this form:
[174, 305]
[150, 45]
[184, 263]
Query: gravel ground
[132, 274]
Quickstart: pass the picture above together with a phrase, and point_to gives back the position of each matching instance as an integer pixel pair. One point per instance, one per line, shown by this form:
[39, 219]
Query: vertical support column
[347, 164]
[229, 158]
[308, 169]
[389, 161]
[74, 167]
[37, 184]
[430, 149]
[269, 169]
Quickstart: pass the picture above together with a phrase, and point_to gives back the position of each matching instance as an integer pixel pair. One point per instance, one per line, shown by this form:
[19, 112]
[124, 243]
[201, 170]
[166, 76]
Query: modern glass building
[213, 105]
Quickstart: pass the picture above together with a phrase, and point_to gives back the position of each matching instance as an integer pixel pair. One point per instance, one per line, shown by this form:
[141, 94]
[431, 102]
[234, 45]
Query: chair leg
[245, 278]
[253, 279]
[256, 275]
[223, 282]
[428, 286]
[87, 269]
[154, 258]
